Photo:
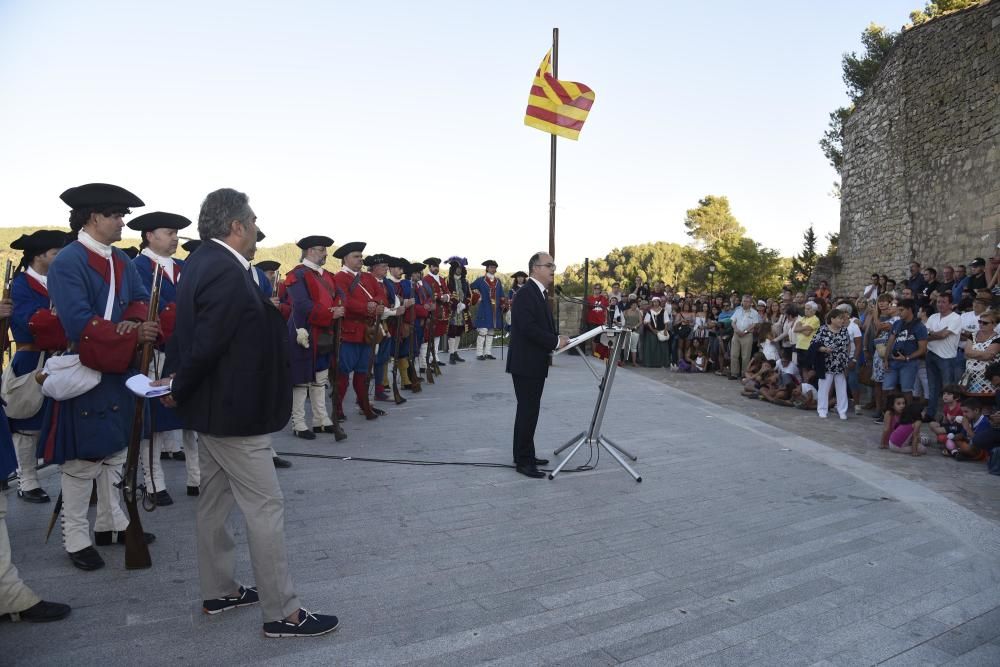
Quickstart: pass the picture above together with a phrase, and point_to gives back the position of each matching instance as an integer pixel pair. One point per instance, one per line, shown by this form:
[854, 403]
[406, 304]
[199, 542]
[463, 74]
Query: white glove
[446, 298]
[460, 307]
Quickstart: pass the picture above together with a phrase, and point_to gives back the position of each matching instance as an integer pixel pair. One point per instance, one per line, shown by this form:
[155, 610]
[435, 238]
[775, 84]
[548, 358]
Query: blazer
[229, 350]
[532, 333]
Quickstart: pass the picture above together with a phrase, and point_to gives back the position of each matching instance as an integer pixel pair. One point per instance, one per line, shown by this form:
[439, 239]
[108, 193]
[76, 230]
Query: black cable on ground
[416, 462]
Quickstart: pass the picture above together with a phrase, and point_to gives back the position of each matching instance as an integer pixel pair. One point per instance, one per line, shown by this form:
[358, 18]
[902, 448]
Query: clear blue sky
[400, 123]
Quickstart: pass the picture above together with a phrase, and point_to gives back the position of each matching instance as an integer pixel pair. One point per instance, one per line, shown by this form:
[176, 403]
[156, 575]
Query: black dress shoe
[341, 418]
[194, 491]
[541, 462]
[280, 462]
[162, 498]
[43, 612]
[178, 456]
[459, 359]
[481, 357]
[380, 412]
[305, 435]
[102, 538]
[323, 429]
[87, 559]
[490, 356]
[530, 470]
[451, 358]
[33, 496]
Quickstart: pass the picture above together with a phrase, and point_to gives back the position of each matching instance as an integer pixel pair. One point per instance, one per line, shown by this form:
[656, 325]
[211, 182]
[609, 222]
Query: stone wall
[921, 173]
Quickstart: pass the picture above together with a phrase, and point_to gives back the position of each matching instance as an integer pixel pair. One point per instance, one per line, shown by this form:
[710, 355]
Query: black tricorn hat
[519, 274]
[415, 267]
[398, 263]
[432, 261]
[490, 262]
[158, 220]
[346, 249]
[377, 258]
[313, 241]
[191, 245]
[99, 195]
[40, 241]
[131, 251]
[260, 236]
[268, 265]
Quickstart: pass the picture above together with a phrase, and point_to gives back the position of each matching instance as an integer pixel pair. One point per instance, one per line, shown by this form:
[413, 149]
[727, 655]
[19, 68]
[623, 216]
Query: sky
[400, 123]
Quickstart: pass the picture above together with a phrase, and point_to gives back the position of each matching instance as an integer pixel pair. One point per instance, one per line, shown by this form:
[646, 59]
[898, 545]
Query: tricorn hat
[398, 263]
[268, 265]
[191, 245]
[346, 249]
[314, 241]
[377, 258]
[415, 267]
[40, 241]
[490, 262]
[158, 220]
[432, 261]
[99, 195]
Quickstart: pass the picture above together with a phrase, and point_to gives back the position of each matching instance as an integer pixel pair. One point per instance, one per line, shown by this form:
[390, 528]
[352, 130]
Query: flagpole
[552, 155]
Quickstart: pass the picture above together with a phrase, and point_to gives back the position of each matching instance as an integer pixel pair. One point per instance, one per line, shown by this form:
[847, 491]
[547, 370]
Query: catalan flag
[557, 107]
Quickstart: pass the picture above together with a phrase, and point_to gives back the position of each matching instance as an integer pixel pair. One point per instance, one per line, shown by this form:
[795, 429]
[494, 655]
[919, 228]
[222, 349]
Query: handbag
[22, 394]
[663, 336]
[65, 377]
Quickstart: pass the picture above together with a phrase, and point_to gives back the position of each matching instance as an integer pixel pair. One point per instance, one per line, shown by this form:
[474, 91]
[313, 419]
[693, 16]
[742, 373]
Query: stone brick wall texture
[921, 173]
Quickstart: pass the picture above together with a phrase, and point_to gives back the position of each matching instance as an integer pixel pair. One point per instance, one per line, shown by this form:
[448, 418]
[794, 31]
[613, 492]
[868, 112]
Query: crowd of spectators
[920, 356]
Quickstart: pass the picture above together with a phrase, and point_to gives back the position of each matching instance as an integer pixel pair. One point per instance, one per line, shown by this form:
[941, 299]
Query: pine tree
[804, 263]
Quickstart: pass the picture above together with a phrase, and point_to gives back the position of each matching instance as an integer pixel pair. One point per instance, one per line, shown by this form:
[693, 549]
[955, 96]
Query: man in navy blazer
[232, 385]
[533, 337]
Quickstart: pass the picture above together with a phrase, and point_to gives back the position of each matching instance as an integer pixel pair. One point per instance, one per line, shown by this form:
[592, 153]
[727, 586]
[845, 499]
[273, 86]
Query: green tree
[936, 8]
[650, 261]
[712, 221]
[748, 267]
[858, 71]
[802, 265]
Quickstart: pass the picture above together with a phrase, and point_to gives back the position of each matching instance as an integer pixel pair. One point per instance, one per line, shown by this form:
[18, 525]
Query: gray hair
[535, 260]
[221, 208]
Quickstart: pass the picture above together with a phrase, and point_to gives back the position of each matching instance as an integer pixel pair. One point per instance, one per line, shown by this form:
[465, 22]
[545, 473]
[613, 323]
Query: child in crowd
[950, 423]
[787, 367]
[773, 390]
[765, 334]
[752, 383]
[753, 368]
[804, 395]
[902, 426]
[973, 422]
[696, 360]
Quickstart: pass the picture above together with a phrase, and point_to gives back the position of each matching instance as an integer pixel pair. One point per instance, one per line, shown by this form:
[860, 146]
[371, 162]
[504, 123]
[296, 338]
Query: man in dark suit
[532, 338]
[232, 385]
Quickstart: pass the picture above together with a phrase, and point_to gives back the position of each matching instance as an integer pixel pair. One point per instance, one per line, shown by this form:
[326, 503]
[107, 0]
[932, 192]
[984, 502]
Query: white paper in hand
[140, 386]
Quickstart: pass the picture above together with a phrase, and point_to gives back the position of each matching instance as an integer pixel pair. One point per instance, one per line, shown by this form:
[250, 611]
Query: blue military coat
[489, 314]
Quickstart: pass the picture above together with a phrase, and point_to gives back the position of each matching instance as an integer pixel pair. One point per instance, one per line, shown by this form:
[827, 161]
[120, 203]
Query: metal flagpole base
[578, 443]
[611, 449]
[571, 442]
[610, 443]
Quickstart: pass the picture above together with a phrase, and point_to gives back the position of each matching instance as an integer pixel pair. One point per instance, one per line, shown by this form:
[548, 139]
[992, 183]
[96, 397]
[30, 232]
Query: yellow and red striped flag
[557, 107]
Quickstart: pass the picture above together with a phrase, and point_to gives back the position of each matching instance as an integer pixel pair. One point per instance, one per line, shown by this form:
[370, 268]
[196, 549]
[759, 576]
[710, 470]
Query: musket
[338, 430]
[411, 372]
[55, 515]
[136, 549]
[397, 338]
[5, 323]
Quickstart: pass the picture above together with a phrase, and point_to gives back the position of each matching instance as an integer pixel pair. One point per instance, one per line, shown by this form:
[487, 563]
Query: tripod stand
[592, 435]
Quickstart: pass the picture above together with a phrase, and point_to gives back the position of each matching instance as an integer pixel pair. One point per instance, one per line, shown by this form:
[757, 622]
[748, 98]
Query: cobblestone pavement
[746, 543]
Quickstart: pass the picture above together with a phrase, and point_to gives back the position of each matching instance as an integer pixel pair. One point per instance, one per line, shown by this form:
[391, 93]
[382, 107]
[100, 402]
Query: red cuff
[47, 331]
[320, 317]
[137, 310]
[104, 349]
[168, 322]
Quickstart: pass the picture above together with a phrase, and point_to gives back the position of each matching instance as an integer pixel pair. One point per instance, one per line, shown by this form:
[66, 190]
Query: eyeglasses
[550, 265]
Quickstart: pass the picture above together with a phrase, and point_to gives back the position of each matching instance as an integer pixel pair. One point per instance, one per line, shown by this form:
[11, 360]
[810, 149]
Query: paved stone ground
[745, 544]
[968, 484]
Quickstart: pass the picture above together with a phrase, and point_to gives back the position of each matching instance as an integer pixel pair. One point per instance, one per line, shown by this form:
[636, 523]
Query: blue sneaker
[247, 597]
[309, 625]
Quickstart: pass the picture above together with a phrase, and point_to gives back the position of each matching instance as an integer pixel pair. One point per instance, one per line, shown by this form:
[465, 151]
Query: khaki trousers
[15, 596]
[77, 482]
[739, 354]
[239, 470]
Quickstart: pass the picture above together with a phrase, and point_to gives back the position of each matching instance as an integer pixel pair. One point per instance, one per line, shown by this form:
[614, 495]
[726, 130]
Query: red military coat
[361, 294]
[439, 287]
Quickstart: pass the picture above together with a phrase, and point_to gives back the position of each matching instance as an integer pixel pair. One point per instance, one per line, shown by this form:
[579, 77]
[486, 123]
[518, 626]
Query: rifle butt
[136, 550]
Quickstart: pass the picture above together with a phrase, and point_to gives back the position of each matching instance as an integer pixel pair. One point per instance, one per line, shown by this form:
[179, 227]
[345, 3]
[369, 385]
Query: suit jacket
[532, 333]
[229, 350]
